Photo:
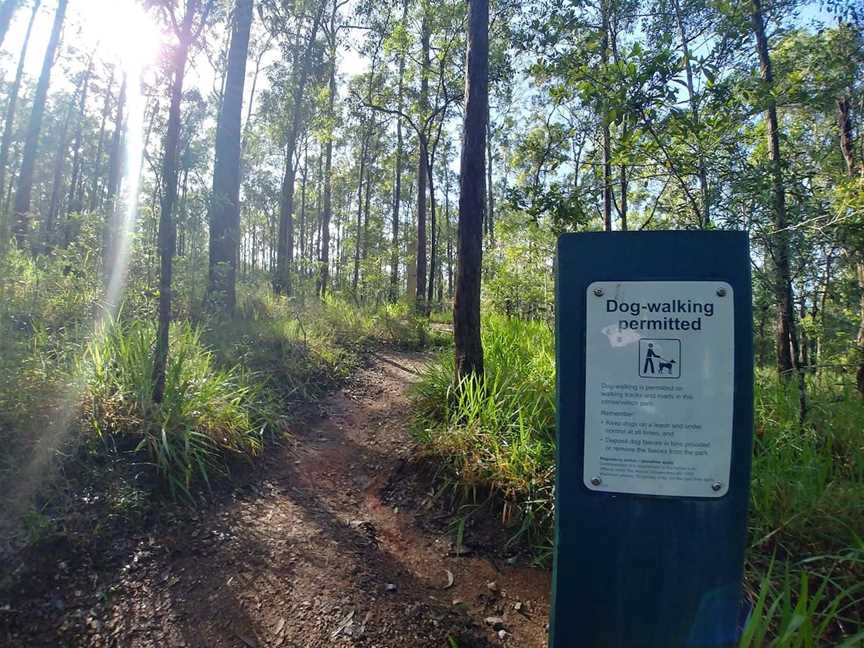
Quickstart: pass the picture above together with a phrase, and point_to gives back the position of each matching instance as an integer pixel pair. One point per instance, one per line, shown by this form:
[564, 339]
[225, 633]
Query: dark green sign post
[655, 419]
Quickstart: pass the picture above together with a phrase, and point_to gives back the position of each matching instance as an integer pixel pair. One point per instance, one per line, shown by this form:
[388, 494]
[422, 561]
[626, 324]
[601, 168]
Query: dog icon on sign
[659, 358]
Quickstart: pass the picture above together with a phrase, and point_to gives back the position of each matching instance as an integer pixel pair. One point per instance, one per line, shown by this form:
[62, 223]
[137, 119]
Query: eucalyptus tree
[472, 196]
[306, 23]
[187, 31]
[7, 10]
[9, 120]
[24, 192]
[224, 216]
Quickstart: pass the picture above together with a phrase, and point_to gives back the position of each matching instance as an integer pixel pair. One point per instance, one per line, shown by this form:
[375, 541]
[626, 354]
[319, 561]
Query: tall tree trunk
[397, 188]
[224, 216]
[50, 223]
[607, 138]
[7, 10]
[115, 160]
[623, 183]
[694, 111]
[433, 239]
[359, 234]
[285, 251]
[167, 226]
[472, 195]
[34, 129]
[324, 238]
[490, 214]
[449, 229]
[100, 147]
[304, 179]
[780, 251]
[74, 202]
[9, 124]
[423, 156]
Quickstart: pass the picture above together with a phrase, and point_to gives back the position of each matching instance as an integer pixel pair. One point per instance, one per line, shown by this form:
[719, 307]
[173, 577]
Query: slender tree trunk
[607, 138]
[472, 195]
[34, 129]
[224, 213]
[74, 203]
[433, 239]
[780, 252]
[423, 156]
[167, 226]
[100, 147]
[115, 158]
[359, 234]
[304, 178]
[397, 189]
[694, 111]
[9, 124]
[7, 10]
[449, 229]
[49, 239]
[367, 210]
[285, 251]
[624, 182]
[324, 238]
[490, 213]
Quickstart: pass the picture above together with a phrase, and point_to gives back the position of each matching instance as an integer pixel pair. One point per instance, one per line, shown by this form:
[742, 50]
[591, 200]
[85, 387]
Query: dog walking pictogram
[660, 358]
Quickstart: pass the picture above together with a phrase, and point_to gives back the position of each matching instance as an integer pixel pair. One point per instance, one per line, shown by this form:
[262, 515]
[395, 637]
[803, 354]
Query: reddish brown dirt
[329, 544]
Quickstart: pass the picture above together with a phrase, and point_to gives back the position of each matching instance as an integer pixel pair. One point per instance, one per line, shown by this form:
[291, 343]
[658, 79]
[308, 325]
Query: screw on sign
[654, 402]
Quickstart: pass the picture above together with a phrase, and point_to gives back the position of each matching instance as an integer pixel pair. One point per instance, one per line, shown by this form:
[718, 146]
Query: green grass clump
[498, 433]
[807, 490]
[207, 414]
[807, 493]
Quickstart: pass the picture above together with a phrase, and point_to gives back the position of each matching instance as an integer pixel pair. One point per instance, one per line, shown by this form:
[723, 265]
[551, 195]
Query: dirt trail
[328, 545]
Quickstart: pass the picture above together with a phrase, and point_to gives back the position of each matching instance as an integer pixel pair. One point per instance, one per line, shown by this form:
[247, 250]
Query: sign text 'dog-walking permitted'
[659, 387]
[655, 419]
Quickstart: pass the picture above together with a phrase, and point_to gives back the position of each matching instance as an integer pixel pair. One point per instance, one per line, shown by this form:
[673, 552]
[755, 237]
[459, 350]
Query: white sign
[659, 387]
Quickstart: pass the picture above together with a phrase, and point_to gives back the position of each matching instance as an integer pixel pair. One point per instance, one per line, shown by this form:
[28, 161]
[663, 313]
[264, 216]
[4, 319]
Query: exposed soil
[336, 540]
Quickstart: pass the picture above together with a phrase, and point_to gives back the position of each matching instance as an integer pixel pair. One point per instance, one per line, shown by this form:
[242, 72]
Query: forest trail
[329, 545]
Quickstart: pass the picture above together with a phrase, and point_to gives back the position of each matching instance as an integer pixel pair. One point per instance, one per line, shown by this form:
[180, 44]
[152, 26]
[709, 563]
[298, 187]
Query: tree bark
[397, 189]
[34, 129]
[607, 138]
[167, 227]
[358, 232]
[100, 147]
[74, 201]
[7, 10]
[423, 156]
[490, 214]
[324, 238]
[780, 252]
[9, 124]
[115, 158]
[472, 196]
[434, 235]
[49, 239]
[224, 213]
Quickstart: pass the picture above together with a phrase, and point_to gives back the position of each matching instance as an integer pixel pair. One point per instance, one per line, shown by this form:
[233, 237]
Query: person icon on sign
[649, 360]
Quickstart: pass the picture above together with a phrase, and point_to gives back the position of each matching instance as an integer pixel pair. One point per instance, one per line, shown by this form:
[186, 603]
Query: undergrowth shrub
[207, 415]
[498, 433]
[807, 493]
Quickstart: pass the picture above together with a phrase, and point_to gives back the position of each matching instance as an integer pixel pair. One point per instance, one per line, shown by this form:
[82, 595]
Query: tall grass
[807, 494]
[207, 414]
[498, 433]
